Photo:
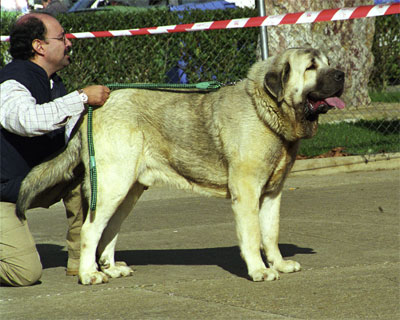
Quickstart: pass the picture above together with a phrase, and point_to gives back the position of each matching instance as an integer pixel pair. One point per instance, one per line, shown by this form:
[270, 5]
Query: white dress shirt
[20, 114]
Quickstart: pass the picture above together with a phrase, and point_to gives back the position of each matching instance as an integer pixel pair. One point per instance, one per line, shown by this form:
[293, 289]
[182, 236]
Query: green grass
[361, 137]
[377, 96]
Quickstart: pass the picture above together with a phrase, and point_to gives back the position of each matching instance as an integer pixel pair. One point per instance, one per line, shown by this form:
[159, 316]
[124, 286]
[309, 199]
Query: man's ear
[275, 81]
[37, 46]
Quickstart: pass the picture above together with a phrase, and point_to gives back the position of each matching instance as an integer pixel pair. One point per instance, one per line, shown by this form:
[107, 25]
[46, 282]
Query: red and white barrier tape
[290, 18]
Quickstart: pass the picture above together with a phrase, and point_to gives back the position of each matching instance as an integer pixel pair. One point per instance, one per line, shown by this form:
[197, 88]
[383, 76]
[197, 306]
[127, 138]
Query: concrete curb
[346, 164]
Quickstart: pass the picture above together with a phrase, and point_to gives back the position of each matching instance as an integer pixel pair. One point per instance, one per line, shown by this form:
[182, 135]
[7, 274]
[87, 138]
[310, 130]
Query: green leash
[92, 161]
[208, 86]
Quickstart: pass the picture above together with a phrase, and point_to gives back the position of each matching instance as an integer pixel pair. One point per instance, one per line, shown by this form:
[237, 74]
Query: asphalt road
[343, 228]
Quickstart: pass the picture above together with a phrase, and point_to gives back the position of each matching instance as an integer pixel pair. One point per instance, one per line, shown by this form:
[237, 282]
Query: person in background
[37, 117]
[54, 7]
[14, 5]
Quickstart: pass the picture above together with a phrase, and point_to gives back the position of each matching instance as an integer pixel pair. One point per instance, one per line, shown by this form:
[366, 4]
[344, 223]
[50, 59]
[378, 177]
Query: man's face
[56, 44]
[45, 3]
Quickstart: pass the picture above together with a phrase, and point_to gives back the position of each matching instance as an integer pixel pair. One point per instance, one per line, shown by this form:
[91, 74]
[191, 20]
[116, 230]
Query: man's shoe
[72, 267]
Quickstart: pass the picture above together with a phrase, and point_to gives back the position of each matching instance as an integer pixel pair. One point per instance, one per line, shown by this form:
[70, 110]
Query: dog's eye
[312, 65]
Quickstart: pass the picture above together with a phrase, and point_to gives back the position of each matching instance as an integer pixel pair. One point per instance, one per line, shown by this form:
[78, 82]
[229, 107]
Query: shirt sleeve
[20, 114]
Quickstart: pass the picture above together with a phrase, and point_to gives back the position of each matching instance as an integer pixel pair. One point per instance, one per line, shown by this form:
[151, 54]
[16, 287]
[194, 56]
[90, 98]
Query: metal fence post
[263, 31]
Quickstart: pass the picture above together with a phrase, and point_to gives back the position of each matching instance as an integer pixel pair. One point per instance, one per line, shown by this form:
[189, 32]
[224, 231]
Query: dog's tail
[48, 174]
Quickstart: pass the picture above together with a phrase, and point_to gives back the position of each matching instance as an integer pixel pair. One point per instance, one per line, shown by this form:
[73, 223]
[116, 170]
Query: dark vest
[20, 154]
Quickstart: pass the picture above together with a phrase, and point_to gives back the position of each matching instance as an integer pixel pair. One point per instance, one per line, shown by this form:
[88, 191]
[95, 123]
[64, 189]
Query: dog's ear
[275, 82]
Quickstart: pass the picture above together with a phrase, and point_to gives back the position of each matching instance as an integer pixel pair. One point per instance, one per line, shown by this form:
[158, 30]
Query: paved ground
[342, 228]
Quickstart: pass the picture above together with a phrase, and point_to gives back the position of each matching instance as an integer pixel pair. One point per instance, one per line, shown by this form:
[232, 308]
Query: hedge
[386, 49]
[224, 55]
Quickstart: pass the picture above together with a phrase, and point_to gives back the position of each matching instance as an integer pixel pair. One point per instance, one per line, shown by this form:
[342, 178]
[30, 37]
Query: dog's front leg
[245, 204]
[269, 221]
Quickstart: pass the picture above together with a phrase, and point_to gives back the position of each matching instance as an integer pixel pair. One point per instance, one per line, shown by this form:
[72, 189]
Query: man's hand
[97, 95]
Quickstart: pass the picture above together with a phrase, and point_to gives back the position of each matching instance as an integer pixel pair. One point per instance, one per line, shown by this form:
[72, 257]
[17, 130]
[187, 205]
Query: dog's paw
[287, 266]
[96, 277]
[267, 274]
[120, 269]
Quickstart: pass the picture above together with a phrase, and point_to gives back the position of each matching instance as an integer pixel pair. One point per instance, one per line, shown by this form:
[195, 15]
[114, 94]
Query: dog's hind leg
[108, 240]
[96, 222]
[269, 221]
[117, 173]
[91, 233]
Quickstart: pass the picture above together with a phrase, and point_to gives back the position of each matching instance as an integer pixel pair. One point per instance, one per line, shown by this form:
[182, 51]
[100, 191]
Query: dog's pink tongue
[335, 102]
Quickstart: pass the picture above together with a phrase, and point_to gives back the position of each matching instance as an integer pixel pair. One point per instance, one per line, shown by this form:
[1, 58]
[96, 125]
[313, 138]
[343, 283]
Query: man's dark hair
[22, 34]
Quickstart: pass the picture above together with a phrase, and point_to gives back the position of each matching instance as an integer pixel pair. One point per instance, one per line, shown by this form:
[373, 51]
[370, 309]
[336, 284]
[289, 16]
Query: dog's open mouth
[314, 108]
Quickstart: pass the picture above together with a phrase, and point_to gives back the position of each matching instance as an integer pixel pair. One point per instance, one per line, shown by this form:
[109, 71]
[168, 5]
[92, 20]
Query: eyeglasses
[62, 38]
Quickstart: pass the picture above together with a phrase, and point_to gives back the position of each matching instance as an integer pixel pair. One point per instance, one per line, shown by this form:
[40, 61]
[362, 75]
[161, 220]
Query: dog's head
[302, 85]
[303, 78]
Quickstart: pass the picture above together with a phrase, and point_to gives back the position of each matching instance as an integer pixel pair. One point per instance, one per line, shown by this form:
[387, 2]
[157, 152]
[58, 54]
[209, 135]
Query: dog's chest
[281, 170]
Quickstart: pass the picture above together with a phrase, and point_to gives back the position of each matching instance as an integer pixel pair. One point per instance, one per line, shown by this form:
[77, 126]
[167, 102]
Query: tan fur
[238, 142]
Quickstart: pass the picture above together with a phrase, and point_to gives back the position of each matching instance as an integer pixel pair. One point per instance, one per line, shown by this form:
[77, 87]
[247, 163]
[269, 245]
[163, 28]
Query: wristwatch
[83, 96]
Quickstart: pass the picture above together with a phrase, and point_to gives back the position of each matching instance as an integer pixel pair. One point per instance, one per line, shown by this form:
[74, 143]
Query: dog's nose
[339, 75]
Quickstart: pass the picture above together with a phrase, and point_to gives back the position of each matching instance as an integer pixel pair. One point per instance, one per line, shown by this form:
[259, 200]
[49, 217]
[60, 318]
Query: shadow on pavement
[227, 258]
[52, 255]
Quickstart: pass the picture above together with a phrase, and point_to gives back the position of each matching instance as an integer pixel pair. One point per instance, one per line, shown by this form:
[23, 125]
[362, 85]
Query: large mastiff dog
[238, 142]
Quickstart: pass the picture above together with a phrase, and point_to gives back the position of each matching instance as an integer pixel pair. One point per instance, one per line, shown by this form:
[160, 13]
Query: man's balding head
[26, 29]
